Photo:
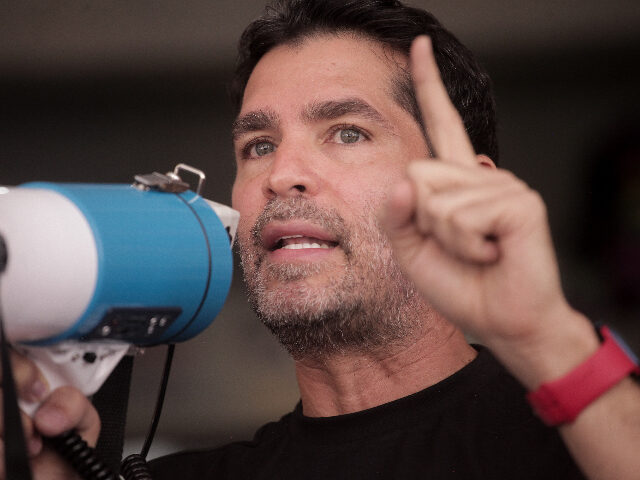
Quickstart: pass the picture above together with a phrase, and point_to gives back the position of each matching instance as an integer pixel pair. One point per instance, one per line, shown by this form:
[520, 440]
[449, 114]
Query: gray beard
[369, 307]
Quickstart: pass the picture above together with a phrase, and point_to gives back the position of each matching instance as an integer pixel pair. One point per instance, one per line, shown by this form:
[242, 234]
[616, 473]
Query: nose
[291, 173]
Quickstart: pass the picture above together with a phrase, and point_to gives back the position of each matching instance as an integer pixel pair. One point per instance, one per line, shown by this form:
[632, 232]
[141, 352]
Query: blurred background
[100, 91]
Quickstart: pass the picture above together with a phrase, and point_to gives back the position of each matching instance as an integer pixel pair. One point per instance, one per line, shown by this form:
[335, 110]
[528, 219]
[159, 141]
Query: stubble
[365, 304]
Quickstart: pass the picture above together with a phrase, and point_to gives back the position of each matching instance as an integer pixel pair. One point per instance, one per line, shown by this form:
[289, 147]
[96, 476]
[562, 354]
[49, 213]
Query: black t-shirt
[475, 424]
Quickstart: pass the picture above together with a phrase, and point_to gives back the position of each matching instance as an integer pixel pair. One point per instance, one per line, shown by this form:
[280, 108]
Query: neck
[355, 381]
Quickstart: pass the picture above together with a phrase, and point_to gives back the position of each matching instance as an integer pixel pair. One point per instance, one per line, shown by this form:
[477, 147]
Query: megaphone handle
[84, 365]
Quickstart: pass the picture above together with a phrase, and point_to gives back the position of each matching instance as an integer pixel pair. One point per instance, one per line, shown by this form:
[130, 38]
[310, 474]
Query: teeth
[299, 246]
[283, 244]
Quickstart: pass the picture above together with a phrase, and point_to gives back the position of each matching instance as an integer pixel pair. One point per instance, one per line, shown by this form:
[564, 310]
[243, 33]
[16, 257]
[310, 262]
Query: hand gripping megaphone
[92, 269]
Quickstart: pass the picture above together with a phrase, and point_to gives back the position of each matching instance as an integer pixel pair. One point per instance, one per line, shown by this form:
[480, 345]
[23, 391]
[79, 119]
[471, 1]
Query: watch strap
[561, 401]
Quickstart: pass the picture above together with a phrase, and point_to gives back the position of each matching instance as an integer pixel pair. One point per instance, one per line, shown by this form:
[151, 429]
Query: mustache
[300, 208]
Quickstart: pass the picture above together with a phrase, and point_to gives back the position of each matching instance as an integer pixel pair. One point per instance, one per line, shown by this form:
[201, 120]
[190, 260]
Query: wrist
[560, 401]
[560, 342]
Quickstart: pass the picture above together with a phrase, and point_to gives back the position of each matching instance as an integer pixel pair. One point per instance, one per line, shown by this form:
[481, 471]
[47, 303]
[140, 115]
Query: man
[373, 232]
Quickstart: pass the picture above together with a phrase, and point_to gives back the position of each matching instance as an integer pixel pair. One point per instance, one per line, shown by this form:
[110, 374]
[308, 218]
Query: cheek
[236, 196]
[362, 205]
[247, 200]
[371, 190]
[245, 195]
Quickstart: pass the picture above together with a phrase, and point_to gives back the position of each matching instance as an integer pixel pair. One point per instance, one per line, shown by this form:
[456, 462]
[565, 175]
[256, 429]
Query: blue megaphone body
[113, 264]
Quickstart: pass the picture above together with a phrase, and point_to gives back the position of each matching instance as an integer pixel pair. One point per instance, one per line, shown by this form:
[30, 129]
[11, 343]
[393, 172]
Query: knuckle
[507, 176]
[535, 201]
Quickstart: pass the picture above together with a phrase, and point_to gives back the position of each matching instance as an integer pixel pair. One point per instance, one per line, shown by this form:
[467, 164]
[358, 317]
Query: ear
[485, 161]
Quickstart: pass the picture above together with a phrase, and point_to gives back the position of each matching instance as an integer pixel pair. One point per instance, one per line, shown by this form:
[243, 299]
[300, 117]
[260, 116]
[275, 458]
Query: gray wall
[99, 92]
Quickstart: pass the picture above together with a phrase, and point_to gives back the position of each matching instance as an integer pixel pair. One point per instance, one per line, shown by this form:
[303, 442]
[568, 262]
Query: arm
[481, 236]
[63, 409]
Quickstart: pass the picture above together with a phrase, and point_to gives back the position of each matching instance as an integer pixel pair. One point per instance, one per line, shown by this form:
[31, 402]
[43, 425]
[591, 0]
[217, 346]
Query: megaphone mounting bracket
[170, 182]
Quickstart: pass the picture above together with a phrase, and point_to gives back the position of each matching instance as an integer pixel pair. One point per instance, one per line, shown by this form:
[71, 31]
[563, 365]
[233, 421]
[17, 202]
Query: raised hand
[475, 241]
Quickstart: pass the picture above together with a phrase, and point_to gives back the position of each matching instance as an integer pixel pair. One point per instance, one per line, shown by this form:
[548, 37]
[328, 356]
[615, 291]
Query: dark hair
[392, 24]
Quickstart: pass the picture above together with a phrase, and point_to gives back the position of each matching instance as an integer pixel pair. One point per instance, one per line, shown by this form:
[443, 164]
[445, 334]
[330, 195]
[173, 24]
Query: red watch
[560, 401]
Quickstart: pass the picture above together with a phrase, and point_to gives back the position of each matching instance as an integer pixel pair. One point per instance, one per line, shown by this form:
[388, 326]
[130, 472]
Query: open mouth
[299, 242]
[297, 235]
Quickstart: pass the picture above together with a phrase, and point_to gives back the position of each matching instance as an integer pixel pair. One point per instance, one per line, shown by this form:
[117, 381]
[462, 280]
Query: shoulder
[233, 460]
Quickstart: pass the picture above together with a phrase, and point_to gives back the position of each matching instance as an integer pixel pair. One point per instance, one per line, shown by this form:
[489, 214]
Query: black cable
[111, 402]
[81, 456]
[160, 401]
[135, 467]
[15, 452]
[84, 459]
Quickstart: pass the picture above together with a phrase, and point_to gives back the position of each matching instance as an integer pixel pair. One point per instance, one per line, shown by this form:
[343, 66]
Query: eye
[349, 135]
[258, 148]
[263, 148]
[346, 135]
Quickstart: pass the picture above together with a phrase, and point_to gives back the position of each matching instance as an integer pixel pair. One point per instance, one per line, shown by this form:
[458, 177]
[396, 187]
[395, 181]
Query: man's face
[318, 143]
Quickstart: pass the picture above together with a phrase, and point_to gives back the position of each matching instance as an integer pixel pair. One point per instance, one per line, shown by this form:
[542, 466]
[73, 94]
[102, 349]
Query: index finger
[445, 129]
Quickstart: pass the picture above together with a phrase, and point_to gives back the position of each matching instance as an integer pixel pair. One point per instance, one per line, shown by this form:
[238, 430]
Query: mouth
[297, 236]
[299, 242]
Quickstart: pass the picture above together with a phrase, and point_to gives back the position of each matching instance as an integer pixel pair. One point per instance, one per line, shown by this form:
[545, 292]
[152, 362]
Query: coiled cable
[90, 467]
[135, 467]
[81, 457]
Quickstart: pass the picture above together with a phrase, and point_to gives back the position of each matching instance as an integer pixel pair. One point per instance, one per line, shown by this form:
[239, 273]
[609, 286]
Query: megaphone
[92, 269]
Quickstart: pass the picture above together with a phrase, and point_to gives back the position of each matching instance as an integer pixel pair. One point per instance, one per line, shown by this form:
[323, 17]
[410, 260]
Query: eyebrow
[328, 110]
[254, 121]
[332, 109]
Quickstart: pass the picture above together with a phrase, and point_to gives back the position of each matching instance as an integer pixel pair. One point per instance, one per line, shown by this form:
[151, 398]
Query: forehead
[320, 67]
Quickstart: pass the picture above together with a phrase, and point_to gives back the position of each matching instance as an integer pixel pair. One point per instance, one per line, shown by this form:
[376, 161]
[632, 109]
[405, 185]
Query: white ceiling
[64, 36]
